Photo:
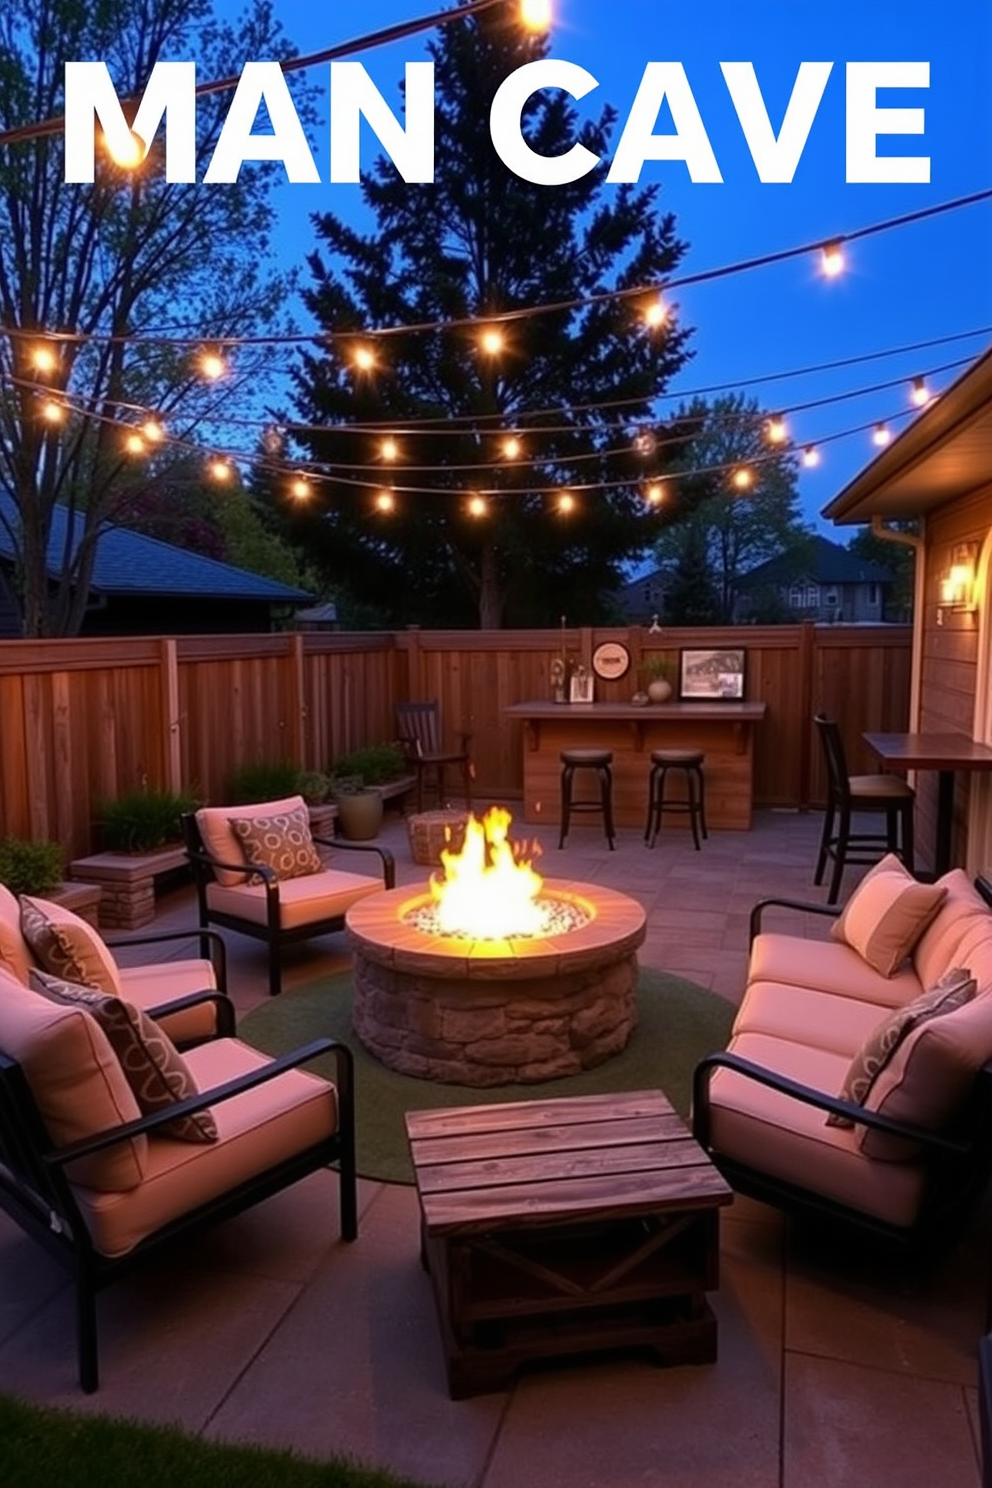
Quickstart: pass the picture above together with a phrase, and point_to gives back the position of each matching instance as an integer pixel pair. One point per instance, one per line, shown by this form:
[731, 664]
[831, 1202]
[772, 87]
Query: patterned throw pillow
[887, 914]
[67, 946]
[152, 1065]
[281, 842]
[953, 990]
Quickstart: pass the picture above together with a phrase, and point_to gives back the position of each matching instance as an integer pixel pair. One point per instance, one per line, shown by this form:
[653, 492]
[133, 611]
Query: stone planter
[82, 898]
[127, 881]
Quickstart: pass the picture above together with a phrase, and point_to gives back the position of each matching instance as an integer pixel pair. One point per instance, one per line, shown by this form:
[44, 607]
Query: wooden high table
[724, 731]
[945, 753]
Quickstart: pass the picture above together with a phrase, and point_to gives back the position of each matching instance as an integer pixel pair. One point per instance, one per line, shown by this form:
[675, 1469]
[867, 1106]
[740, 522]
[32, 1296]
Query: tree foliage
[898, 558]
[719, 532]
[95, 265]
[480, 242]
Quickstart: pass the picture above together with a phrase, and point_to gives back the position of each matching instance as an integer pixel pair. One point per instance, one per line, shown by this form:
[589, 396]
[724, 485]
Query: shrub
[141, 820]
[263, 780]
[372, 765]
[314, 786]
[30, 867]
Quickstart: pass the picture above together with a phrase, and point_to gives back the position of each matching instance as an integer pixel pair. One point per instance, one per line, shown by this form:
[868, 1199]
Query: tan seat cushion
[302, 901]
[790, 1140]
[828, 966]
[67, 946]
[15, 955]
[802, 1015]
[76, 1080]
[153, 1067]
[963, 915]
[952, 991]
[887, 914]
[150, 986]
[261, 1127]
[280, 841]
[218, 836]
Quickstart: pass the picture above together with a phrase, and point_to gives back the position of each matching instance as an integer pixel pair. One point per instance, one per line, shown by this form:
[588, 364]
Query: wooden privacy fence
[82, 721]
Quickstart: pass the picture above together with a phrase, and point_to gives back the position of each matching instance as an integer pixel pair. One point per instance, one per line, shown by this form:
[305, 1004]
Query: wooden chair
[885, 794]
[69, 1140]
[419, 728]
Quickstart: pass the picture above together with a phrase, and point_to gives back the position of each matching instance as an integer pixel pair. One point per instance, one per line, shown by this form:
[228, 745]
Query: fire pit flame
[485, 890]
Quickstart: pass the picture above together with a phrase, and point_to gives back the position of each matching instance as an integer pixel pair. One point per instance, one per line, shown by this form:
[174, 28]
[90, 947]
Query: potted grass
[356, 781]
[141, 840]
[657, 673]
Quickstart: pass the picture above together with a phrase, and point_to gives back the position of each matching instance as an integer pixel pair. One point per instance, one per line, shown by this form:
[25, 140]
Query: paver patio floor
[837, 1365]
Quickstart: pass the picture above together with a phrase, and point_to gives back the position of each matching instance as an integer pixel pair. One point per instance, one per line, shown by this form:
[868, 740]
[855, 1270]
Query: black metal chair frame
[843, 845]
[36, 1194]
[694, 803]
[273, 932]
[604, 775]
[418, 725]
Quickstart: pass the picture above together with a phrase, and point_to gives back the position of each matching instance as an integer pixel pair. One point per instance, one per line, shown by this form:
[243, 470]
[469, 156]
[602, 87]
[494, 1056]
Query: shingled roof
[127, 562]
[823, 562]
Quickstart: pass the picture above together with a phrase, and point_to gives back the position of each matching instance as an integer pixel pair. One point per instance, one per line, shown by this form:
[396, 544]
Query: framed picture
[580, 685]
[715, 676]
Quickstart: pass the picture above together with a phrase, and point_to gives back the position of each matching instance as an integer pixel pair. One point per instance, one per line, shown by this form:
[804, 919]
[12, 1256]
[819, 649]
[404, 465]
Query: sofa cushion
[790, 1140]
[964, 915]
[887, 914]
[153, 1067]
[929, 1077]
[67, 946]
[822, 1020]
[261, 1127]
[302, 901]
[280, 841]
[218, 836]
[828, 966]
[952, 991]
[76, 1080]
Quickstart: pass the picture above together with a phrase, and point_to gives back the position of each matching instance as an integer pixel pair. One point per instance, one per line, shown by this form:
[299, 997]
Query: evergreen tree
[481, 243]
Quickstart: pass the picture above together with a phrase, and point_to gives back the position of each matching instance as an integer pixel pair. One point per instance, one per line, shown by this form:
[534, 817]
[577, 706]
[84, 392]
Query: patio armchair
[257, 871]
[419, 728]
[108, 1153]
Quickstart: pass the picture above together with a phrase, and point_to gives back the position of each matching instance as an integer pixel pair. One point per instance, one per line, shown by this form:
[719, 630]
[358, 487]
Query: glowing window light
[153, 431]
[881, 435]
[477, 506]
[833, 262]
[654, 494]
[535, 15]
[511, 447]
[492, 341]
[656, 314]
[566, 503]
[385, 501]
[811, 457]
[212, 365]
[220, 470]
[919, 394]
[44, 359]
[742, 479]
[299, 488]
[364, 358]
[53, 412]
[389, 449]
[775, 430]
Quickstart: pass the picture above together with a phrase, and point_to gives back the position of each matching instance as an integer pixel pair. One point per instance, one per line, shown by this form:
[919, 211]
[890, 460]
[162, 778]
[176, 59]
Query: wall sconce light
[957, 585]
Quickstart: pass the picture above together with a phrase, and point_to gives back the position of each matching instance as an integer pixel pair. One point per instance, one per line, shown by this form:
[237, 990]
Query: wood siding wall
[84, 720]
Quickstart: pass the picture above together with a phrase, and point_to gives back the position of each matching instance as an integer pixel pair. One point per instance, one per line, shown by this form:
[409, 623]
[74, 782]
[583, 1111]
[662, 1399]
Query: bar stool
[599, 760]
[690, 762]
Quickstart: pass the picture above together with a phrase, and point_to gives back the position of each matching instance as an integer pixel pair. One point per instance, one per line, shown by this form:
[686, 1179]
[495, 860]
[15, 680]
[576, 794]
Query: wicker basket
[430, 831]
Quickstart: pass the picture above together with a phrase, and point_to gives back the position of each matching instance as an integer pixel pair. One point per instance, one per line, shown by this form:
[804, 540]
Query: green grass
[42, 1447]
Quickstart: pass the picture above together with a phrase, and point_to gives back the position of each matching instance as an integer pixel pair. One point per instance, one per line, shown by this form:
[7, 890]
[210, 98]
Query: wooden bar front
[723, 731]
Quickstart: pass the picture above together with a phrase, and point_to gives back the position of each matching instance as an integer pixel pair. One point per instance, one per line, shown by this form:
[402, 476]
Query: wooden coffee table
[566, 1226]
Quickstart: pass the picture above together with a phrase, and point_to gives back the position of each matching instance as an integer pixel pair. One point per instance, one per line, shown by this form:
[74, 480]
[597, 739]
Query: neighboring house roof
[822, 561]
[129, 563]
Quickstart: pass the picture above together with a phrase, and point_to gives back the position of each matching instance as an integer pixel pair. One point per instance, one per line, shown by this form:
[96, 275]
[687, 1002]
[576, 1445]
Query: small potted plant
[657, 672]
[355, 778]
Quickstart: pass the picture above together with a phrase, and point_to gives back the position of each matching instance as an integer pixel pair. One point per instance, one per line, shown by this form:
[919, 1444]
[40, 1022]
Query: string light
[881, 435]
[389, 449]
[833, 262]
[153, 431]
[363, 358]
[566, 503]
[742, 479]
[811, 457]
[44, 358]
[212, 365]
[511, 447]
[300, 489]
[385, 501]
[220, 470]
[492, 341]
[477, 506]
[129, 155]
[775, 429]
[654, 494]
[134, 444]
[656, 314]
[535, 14]
[919, 396]
[53, 412]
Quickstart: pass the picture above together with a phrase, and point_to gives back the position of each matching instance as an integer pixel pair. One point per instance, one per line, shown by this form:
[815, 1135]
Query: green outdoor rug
[678, 1022]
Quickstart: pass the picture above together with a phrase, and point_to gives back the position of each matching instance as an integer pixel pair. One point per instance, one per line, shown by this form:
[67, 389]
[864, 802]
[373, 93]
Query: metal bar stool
[599, 760]
[690, 762]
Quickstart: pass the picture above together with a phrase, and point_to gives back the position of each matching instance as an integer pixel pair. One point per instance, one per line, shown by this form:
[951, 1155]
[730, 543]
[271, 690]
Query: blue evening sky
[910, 285]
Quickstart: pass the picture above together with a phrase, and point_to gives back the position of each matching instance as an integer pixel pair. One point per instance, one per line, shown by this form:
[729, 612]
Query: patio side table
[558, 1227]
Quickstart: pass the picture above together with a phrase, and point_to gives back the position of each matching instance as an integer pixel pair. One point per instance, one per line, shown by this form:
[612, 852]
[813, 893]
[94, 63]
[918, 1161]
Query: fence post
[297, 702]
[807, 662]
[172, 753]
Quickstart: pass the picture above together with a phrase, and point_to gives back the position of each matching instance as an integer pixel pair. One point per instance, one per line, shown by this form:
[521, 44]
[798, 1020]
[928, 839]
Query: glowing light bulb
[212, 365]
[134, 444]
[776, 430]
[833, 261]
[881, 435]
[52, 412]
[811, 457]
[492, 341]
[919, 395]
[511, 446]
[300, 488]
[44, 359]
[220, 470]
[153, 431]
[389, 449]
[656, 314]
[385, 501]
[364, 358]
[130, 153]
[535, 14]
[654, 494]
[566, 502]
[477, 506]
[742, 479]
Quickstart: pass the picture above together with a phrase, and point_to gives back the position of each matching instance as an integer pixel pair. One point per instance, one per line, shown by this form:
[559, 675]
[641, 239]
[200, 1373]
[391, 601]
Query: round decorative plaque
[610, 660]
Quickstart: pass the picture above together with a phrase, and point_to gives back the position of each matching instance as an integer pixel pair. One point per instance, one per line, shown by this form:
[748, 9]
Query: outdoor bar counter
[724, 731]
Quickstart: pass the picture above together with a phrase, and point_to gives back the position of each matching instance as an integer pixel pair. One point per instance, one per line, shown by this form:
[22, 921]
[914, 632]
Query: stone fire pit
[485, 1012]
